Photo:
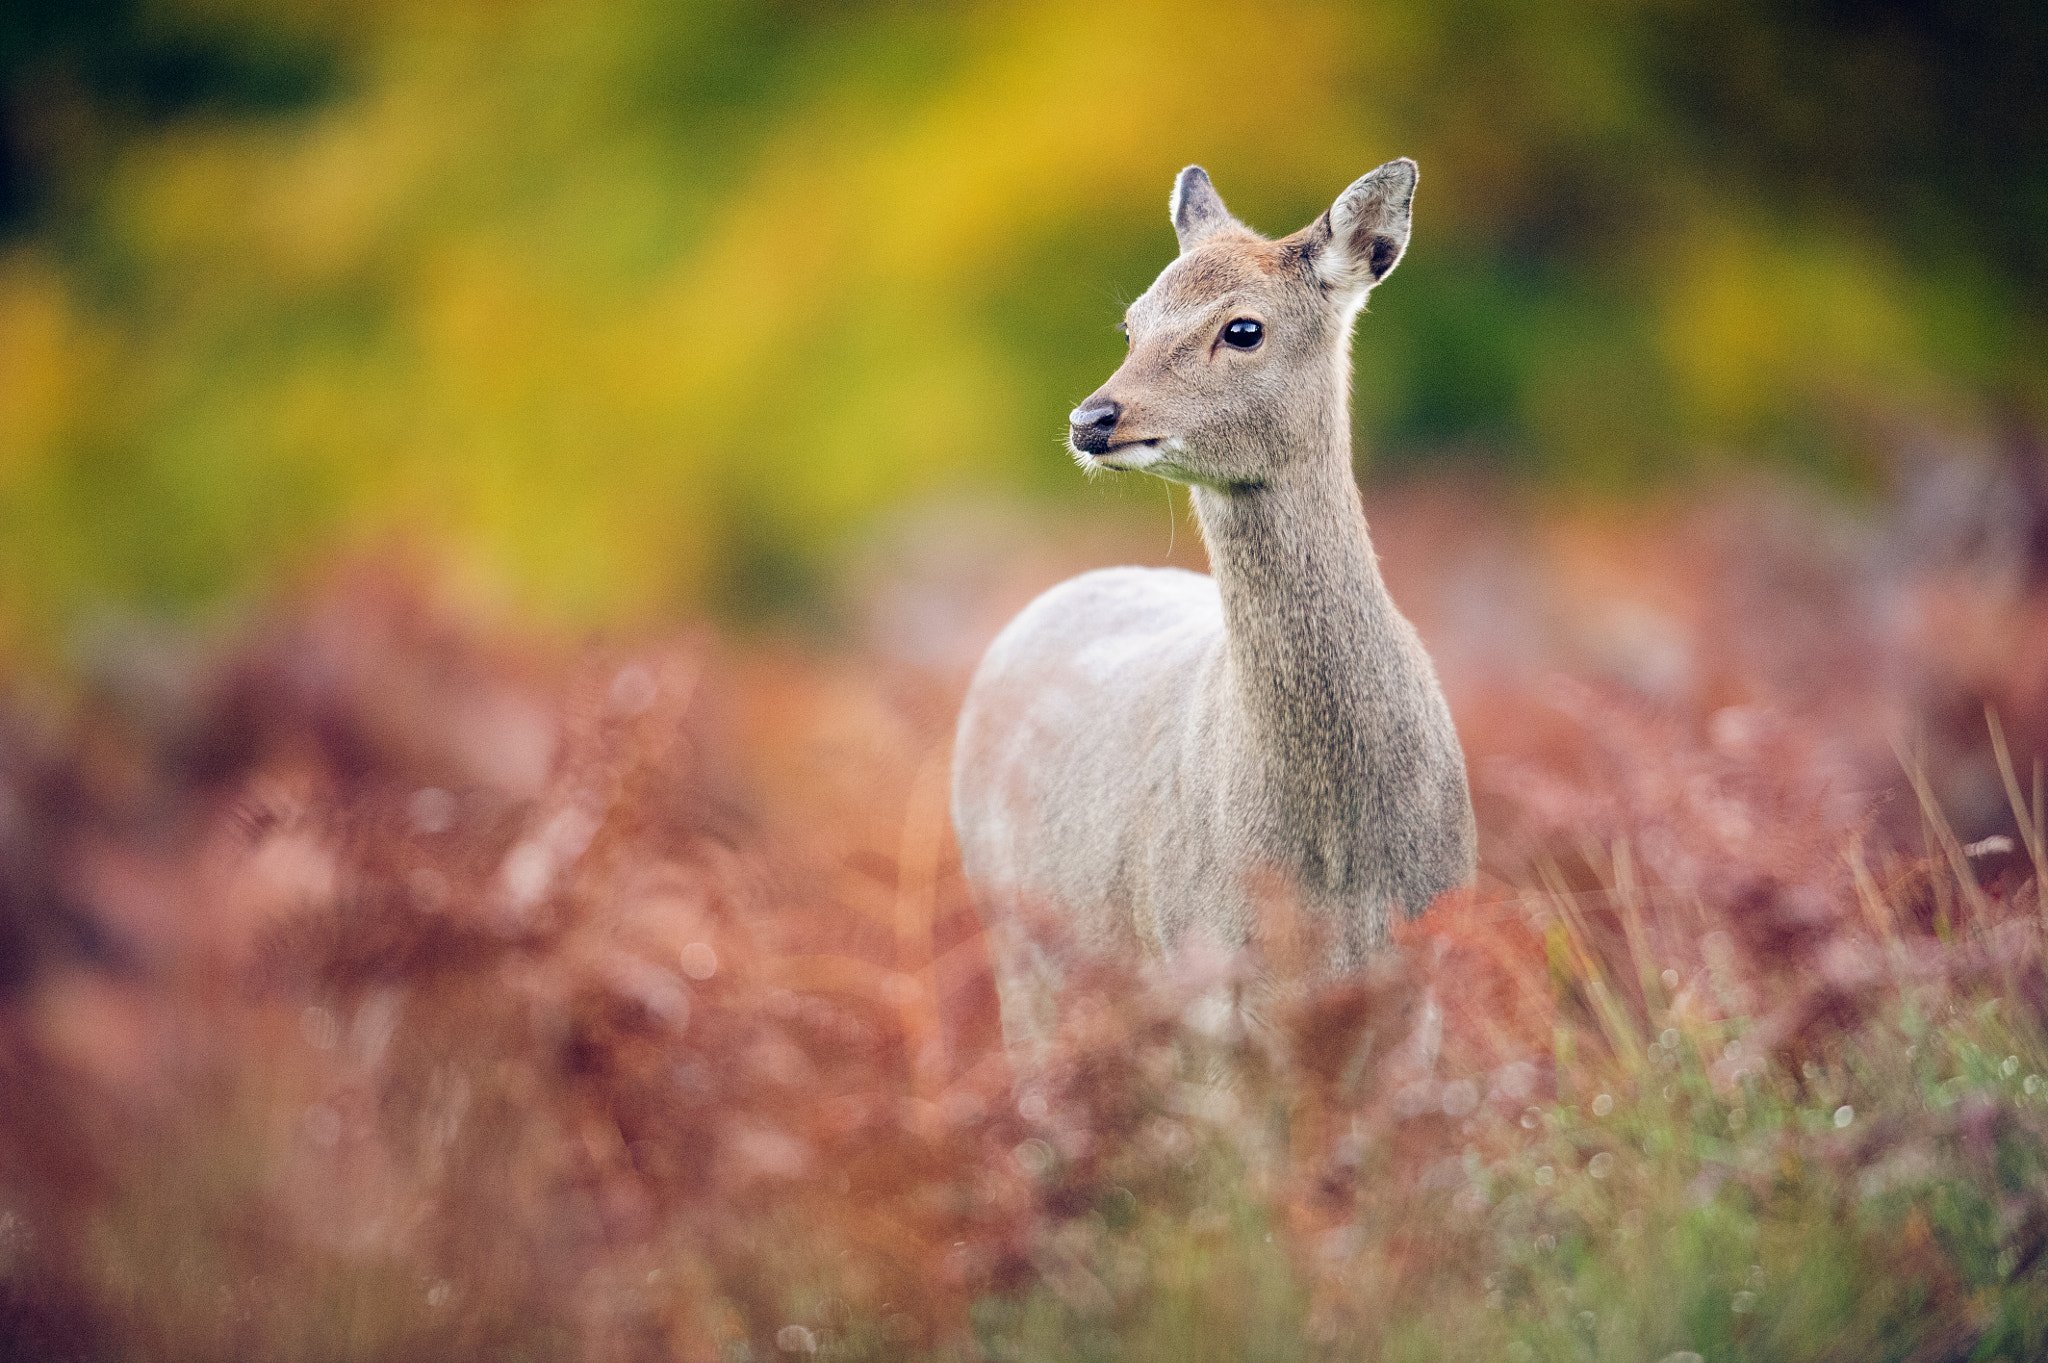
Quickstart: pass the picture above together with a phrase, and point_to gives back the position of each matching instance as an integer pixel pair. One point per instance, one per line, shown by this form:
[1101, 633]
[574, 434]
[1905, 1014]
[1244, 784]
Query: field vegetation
[382, 981]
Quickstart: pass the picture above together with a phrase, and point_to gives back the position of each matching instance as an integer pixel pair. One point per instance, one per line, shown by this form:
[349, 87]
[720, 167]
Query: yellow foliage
[620, 303]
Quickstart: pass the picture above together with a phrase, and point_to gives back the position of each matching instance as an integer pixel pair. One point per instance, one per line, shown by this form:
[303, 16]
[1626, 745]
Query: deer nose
[1092, 422]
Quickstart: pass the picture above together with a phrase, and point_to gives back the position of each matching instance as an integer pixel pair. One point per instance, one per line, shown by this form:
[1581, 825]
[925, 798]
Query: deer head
[1238, 370]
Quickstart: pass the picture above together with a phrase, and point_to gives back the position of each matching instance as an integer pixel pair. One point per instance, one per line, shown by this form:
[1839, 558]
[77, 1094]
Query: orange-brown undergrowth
[376, 980]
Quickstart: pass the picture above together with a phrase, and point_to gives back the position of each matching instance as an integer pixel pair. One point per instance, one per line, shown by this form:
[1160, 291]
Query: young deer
[1142, 748]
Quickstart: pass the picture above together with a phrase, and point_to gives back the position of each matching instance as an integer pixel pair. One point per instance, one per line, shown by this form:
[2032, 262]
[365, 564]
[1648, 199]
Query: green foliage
[1682, 1215]
[643, 305]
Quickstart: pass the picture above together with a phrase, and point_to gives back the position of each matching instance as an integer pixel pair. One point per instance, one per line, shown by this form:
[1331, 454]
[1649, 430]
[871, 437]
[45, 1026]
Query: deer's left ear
[1359, 241]
[1196, 208]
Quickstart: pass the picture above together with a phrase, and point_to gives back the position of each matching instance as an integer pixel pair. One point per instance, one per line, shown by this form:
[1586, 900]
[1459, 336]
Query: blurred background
[639, 310]
[498, 499]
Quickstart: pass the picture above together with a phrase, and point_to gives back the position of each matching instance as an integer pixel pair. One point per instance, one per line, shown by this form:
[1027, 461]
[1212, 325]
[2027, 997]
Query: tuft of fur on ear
[1196, 208]
[1359, 241]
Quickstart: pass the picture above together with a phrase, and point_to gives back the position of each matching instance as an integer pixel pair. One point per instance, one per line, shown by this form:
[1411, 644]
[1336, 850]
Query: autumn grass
[394, 989]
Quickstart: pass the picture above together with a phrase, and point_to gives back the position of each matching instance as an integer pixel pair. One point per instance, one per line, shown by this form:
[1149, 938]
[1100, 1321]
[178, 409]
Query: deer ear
[1196, 208]
[1360, 240]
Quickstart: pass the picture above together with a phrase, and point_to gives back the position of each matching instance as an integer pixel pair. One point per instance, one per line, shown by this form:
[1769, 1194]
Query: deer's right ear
[1196, 208]
[1361, 239]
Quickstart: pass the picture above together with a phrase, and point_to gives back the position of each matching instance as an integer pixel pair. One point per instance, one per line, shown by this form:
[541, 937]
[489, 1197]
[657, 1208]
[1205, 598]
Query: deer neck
[1316, 665]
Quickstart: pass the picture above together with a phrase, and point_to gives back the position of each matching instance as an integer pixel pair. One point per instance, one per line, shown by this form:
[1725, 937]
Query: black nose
[1091, 423]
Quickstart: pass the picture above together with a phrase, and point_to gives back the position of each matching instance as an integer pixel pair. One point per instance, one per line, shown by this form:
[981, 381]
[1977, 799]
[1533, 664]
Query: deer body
[1143, 750]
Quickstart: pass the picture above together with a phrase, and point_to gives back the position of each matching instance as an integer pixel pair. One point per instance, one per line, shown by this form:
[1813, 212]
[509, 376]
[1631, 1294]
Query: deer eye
[1243, 334]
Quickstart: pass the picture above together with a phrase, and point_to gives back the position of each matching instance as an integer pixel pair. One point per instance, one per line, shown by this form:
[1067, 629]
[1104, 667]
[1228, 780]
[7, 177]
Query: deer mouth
[1130, 455]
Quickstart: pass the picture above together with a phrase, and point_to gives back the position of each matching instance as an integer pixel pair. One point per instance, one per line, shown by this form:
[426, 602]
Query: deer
[1143, 752]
